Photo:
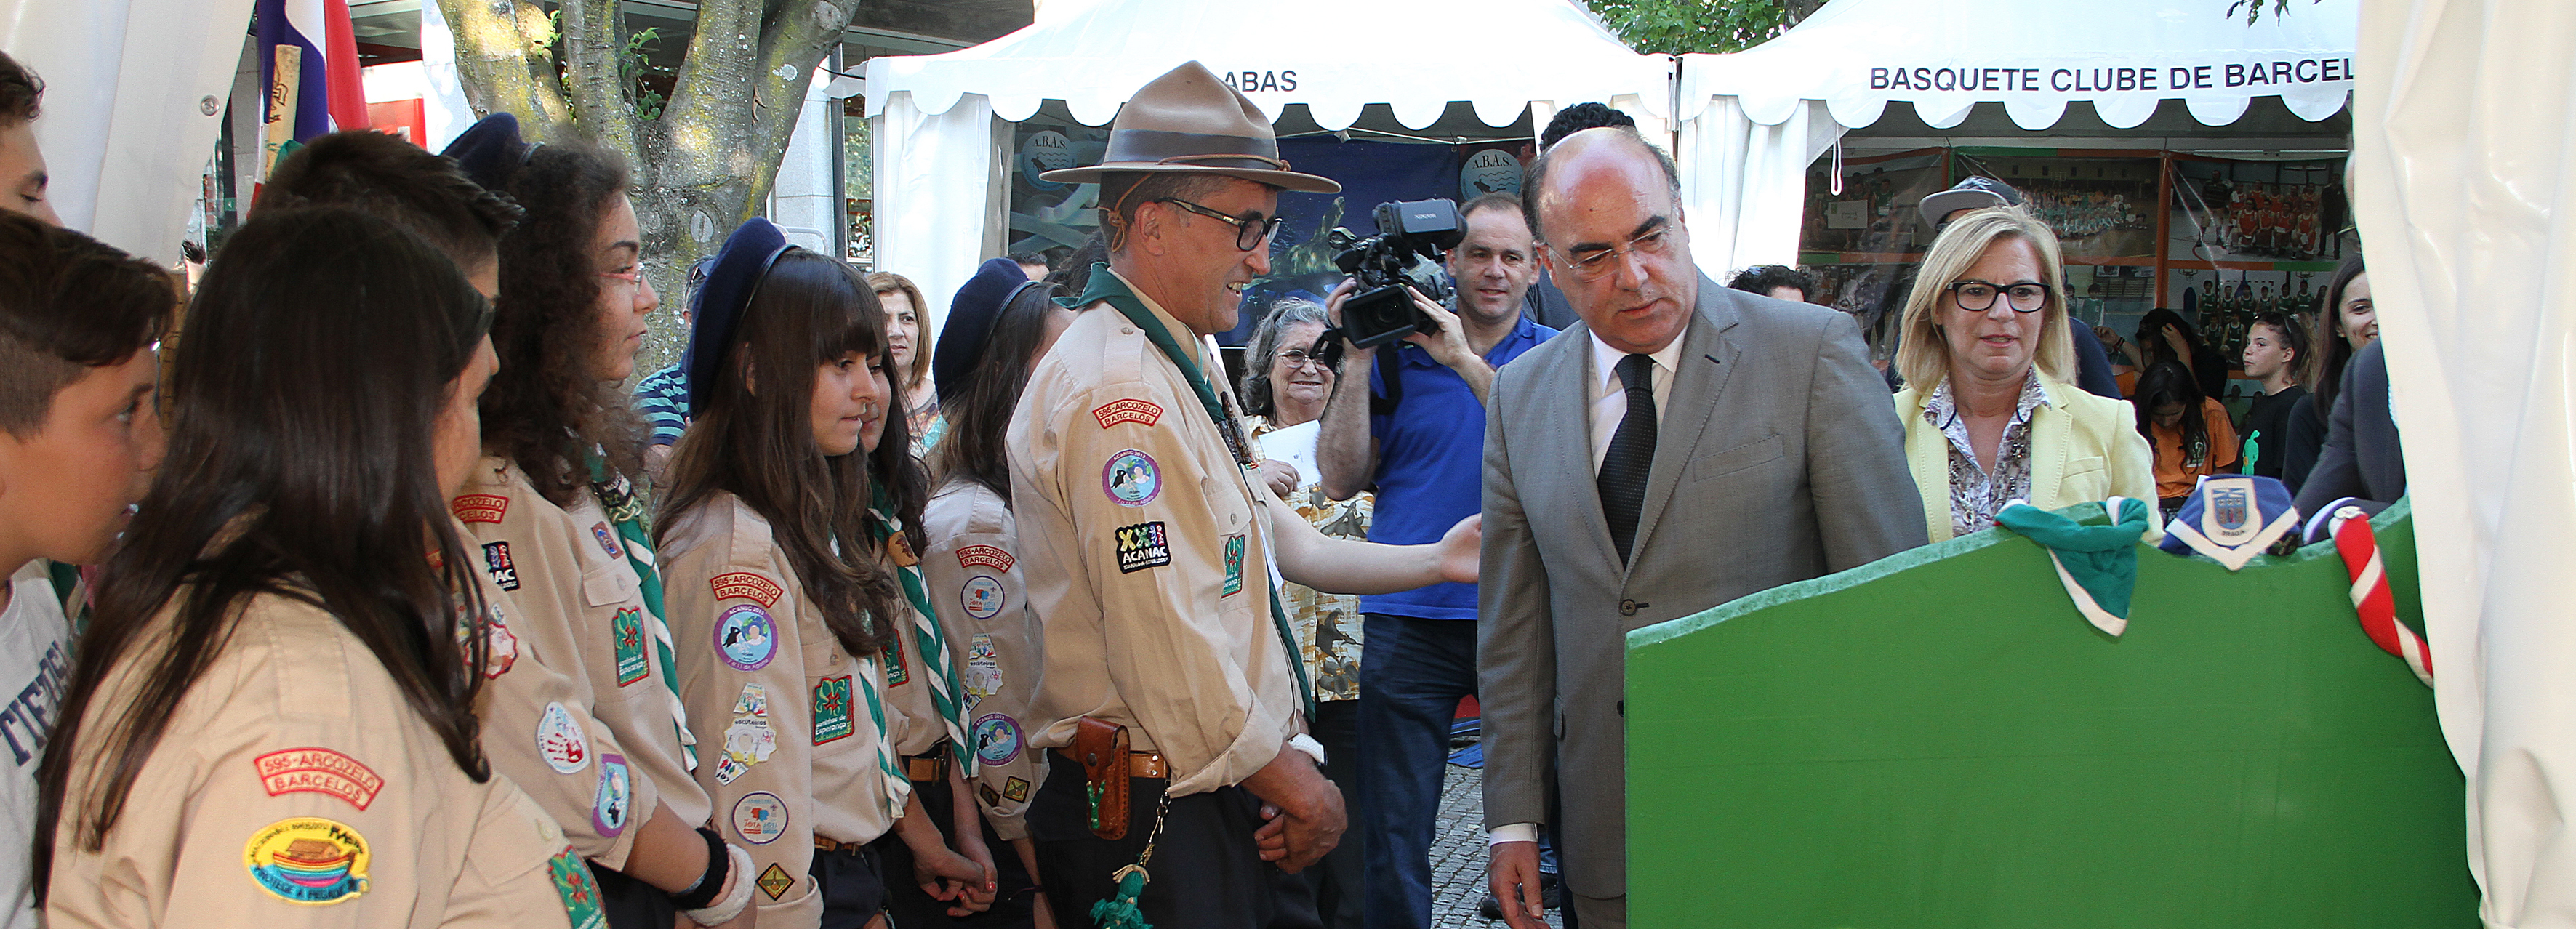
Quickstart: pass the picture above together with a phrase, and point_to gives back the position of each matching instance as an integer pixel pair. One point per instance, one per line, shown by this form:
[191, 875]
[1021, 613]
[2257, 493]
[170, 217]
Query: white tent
[1753, 121]
[937, 210]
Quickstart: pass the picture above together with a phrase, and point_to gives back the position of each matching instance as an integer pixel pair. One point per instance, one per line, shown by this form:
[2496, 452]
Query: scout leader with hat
[556, 522]
[1173, 690]
[794, 597]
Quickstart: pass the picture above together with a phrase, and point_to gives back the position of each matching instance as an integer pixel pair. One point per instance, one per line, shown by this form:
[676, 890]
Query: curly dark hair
[20, 92]
[546, 410]
[1763, 279]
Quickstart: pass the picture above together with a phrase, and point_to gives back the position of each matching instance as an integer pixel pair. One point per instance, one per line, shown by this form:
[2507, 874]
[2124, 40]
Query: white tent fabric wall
[125, 129]
[935, 218]
[1744, 187]
[2464, 134]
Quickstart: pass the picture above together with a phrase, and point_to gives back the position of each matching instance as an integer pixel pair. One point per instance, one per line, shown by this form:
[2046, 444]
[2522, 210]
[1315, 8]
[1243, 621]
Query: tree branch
[501, 50]
[594, 47]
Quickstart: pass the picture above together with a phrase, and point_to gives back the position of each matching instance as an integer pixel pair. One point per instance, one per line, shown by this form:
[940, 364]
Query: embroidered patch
[560, 740]
[496, 559]
[581, 902]
[744, 585]
[1233, 565]
[750, 740]
[479, 508]
[983, 670]
[986, 555]
[982, 596]
[897, 672]
[774, 881]
[760, 817]
[1142, 546]
[832, 709]
[745, 638]
[628, 627]
[308, 860]
[501, 649]
[319, 771]
[990, 798]
[610, 806]
[1131, 478]
[899, 548]
[1015, 790]
[1127, 410]
[997, 739]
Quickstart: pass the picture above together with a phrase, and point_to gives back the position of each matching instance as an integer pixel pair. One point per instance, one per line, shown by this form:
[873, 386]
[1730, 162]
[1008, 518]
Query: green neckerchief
[1106, 287]
[929, 640]
[635, 531]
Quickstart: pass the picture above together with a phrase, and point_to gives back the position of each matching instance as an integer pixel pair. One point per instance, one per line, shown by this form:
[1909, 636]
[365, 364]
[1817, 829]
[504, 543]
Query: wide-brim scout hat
[1189, 121]
[735, 276]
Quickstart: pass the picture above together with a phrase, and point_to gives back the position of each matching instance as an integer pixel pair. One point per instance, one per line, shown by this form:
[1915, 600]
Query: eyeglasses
[1595, 264]
[1979, 296]
[1298, 358]
[631, 277]
[1250, 229]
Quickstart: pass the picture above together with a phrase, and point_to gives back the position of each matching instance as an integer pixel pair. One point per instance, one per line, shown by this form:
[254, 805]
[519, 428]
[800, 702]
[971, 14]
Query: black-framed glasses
[1595, 264]
[1979, 296]
[1250, 229]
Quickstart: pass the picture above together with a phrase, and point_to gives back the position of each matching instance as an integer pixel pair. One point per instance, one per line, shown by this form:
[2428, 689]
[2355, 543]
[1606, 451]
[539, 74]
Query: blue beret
[739, 266]
[490, 151]
[970, 323]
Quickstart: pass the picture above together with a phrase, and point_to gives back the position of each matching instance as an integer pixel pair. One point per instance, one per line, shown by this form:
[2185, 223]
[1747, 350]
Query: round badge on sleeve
[997, 739]
[982, 596]
[1131, 478]
[760, 817]
[746, 638]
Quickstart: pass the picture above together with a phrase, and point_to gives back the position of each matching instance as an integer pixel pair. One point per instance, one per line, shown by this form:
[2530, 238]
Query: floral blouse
[1327, 625]
[1975, 494]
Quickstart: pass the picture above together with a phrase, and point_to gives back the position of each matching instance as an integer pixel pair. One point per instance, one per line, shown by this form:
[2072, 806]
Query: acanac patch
[308, 860]
[1142, 546]
[986, 555]
[1127, 410]
[744, 585]
[319, 771]
[479, 508]
[496, 559]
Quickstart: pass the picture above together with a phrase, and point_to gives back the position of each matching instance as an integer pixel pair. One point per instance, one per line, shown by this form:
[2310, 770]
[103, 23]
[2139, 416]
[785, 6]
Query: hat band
[1194, 148]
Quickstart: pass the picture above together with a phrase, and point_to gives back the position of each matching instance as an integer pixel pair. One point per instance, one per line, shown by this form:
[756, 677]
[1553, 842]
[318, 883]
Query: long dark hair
[320, 350]
[2207, 368]
[2168, 382]
[760, 446]
[980, 414]
[2322, 368]
[546, 409]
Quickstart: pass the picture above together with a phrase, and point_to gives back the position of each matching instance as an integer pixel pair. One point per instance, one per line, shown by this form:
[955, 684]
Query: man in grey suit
[1682, 446]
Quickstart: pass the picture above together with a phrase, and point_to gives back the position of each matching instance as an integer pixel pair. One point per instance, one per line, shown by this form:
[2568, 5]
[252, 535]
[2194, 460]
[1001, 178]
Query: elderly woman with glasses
[1990, 415]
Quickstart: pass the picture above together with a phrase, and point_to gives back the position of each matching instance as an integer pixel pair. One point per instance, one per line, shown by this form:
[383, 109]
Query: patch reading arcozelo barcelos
[308, 860]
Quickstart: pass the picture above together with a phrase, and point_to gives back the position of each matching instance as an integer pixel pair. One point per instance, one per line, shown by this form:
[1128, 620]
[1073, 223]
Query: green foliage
[633, 64]
[2254, 9]
[1674, 27]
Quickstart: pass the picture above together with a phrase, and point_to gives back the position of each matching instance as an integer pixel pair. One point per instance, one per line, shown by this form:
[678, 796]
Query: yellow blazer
[2082, 447]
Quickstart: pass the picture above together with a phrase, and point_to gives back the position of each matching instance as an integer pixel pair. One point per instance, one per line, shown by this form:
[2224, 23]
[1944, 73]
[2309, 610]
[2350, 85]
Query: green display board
[1939, 740]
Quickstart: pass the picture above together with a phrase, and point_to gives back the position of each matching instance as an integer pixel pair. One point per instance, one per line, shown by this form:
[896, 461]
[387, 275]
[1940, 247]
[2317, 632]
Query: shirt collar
[1605, 360]
[1942, 407]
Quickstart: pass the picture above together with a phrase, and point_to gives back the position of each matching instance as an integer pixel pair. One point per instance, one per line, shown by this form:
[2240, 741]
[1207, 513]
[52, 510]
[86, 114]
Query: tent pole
[2164, 218]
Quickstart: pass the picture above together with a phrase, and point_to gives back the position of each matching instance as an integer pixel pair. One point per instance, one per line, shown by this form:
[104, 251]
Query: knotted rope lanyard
[929, 640]
[2377, 608]
[635, 531]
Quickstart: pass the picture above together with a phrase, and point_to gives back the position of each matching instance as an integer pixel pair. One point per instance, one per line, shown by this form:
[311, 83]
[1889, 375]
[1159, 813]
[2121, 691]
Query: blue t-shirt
[663, 397]
[1431, 462]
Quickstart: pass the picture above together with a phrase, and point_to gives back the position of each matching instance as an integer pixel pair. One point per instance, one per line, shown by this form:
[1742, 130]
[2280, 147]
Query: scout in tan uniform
[777, 577]
[256, 733]
[573, 547]
[1172, 686]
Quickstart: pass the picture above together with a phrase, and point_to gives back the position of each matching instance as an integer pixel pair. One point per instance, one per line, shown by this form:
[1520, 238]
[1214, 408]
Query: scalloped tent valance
[1334, 56]
[2034, 57]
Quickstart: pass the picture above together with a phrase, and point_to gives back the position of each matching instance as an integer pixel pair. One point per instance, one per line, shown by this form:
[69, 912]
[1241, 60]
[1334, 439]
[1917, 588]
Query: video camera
[1413, 236]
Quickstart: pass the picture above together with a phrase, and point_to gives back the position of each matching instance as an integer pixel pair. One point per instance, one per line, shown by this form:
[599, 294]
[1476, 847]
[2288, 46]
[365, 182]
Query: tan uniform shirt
[542, 724]
[789, 750]
[1146, 552]
[296, 788]
[973, 571]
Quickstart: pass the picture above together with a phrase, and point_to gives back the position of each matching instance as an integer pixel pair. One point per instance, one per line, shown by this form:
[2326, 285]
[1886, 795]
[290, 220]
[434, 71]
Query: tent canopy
[1334, 56]
[2034, 57]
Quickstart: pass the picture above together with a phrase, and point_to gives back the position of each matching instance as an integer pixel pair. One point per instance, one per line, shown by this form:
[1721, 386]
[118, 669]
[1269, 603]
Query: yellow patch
[308, 860]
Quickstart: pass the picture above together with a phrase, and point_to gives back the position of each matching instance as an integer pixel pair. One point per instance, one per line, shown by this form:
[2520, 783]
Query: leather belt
[823, 844]
[1139, 764]
[925, 768]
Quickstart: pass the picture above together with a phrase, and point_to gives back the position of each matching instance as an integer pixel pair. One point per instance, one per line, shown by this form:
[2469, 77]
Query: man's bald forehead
[1588, 151]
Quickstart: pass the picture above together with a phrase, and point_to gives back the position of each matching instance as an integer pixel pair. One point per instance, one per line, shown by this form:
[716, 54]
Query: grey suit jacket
[1778, 458]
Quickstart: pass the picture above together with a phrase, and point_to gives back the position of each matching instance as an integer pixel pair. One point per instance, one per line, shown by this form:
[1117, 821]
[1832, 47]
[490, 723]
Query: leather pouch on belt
[1101, 747]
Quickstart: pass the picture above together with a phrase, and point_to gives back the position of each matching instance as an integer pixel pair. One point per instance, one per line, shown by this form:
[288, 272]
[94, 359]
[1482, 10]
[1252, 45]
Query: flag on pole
[308, 61]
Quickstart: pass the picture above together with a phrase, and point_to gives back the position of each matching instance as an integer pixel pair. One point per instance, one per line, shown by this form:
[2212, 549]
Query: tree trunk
[708, 162]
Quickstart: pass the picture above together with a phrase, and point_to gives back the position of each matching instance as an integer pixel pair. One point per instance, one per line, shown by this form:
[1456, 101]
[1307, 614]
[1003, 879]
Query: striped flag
[308, 60]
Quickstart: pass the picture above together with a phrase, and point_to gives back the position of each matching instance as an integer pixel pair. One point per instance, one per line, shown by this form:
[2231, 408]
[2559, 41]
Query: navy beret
[739, 266]
[490, 151]
[970, 323]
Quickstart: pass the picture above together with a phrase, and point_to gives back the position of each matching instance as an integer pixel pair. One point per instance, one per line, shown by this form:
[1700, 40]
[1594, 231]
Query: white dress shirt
[1609, 406]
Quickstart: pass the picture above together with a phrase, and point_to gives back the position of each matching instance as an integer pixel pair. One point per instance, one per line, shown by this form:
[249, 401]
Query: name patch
[985, 555]
[1127, 410]
[744, 585]
[320, 771]
[1142, 546]
[479, 508]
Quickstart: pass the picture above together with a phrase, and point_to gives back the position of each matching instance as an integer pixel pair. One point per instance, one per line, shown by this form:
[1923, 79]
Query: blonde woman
[1990, 412]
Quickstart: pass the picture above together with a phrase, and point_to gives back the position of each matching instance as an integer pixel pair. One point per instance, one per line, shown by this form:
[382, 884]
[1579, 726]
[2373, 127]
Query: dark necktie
[1632, 452]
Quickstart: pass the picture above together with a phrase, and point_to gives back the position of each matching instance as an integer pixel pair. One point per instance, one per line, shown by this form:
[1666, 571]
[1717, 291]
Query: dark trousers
[1206, 872]
[1014, 901]
[1341, 880]
[631, 904]
[852, 886]
[1413, 672]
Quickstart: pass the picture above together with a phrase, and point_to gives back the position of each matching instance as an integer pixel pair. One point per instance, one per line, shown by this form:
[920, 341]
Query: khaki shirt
[976, 584]
[788, 747]
[564, 673]
[295, 788]
[1146, 552]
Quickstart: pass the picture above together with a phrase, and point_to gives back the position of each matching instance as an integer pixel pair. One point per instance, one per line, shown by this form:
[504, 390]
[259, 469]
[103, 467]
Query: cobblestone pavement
[1458, 854]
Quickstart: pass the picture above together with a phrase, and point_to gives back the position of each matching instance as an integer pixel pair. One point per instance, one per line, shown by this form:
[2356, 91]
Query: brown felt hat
[1188, 120]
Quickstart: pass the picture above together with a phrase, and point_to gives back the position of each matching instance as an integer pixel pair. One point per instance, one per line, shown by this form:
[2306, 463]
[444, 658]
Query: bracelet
[736, 900]
[711, 883]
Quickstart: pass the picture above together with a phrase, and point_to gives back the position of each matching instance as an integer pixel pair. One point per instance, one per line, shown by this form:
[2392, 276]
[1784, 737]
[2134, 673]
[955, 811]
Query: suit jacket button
[1627, 607]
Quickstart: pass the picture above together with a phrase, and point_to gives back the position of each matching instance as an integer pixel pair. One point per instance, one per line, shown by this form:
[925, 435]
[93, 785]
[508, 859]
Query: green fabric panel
[1936, 740]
